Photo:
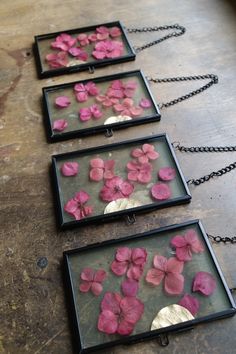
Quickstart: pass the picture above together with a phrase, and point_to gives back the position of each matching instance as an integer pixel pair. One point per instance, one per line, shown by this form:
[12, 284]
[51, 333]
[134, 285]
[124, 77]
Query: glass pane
[84, 105]
[189, 278]
[137, 174]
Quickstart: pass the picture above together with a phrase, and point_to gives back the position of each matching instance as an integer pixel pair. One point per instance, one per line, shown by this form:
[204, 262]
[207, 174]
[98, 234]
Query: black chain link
[180, 30]
[213, 80]
[181, 148]
[224, 240]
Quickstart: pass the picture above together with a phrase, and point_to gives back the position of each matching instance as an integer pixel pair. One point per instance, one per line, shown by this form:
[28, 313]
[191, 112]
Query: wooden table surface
[33, 315]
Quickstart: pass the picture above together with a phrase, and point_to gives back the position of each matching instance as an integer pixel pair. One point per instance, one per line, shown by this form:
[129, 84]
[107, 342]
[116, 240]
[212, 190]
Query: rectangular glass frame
[141, 195]
[44, 72]
[78, 128]
[218, 305]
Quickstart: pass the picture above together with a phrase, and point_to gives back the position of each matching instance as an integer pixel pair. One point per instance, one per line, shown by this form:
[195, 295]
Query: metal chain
[181, 148]
[179, 31]
[225, 240]
[213, 80]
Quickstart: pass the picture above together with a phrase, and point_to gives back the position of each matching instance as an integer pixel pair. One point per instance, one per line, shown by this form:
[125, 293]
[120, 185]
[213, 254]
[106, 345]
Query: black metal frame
[99, 128]
[90, 65]
[150, 334]
[129, 213]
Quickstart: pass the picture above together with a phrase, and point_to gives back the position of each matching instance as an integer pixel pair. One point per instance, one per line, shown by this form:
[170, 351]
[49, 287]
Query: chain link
[224, 240]
[181, 148]
[213, 80]
[180, 30]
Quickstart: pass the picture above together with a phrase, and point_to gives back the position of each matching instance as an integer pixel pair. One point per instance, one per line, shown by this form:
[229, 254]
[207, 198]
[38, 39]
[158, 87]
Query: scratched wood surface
[33, 315]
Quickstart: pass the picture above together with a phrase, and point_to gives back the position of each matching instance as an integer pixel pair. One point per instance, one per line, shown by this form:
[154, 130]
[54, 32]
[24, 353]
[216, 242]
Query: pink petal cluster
[119, 89]
[63, 42]
[119, 315]
[130, 262]
[146, 153]
[186, 245]
[190, 303]
[160, 191]
[101, 169]
[127, 108]
[116, 188]
[104, 32]
[108, 49]
[106, 101]
[70, 169]
[169, 271]
[87, 113]
[145, 103]
[59, 125]
[84, 91]
[76, 206]
[92, 280]
[166, 174]
[57, 60]
[78, 53]
[85, 39]
[62, 101]
[139, 172]
[130, 287]
[205, 283]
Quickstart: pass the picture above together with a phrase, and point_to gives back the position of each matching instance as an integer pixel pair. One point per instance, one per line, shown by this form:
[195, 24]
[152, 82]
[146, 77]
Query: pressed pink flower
[62, 101]
[145, 103]
[108, 49]
[146, 153]
[160, 191]
[129, 88]
[91, 88]
[115, 32]
[119, 315]
[127, 108]
[63, 42]
[102, 33]
[79, 53]
[169, 271]
[84, 91]
[92, 280]
[101, 169]
[116, 188]
[106, 101]
[186, 245]
[166, 173]
[205, 283]
[85, 114]
[76, 206]
[95, 111]
[70, 169]
[92, 37]
[129, 287]
[130, 262]
[59, 125]
[190, 303]
[83, 39]
[57, 60]
[140, 172]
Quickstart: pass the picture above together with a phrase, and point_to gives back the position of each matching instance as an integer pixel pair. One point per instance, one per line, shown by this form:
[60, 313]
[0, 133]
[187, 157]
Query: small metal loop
[91, 69]
[163, 340]
[108, 133]
[175, 144]
[130, 219]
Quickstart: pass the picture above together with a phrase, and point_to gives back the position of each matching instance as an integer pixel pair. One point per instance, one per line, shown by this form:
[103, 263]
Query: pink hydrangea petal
[133, 176]
[92, 88]
[102, 29]
[111, 302]
[117, 85]
[119, 268]
[60, 125]
[71, 206]
[57, 60]
[81, 96]
[96, 174]
[139, 256]
[184, 253]
[85, 286]
[192, 239]
[166, 174]
[153, 155]
[107, 194]
[101, 98]
[143, 159]
[135, 272]
[129, 287]
[136, 152]
[125, 328]
[62, 101]
[136, 111]
[115, 32]
[97, 162]
[126, 188]
[154, 276]
[79, 88]
[70, 168]
[190, 303]
[100, 275]
[87, 274]
[205, 283]
[174, 265]
[145, 103]
[123, 254]
[96, 288]
[84, 114]
[174, 283]
[129, 92]
[92, 37]
[107, 322]
[118, 107]
[160, 262]
[160, 191]
[178, 241]
[94, 109]
[82, 197]
[132, 309]
[98, 54]
[86, 211]
[75, 51]
[144, 177]
[109, 164]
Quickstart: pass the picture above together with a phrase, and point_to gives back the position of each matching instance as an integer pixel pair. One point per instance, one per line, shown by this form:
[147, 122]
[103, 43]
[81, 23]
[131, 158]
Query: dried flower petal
[101, 169]
[70, 168]
[57, 60]
[146, 153]
[107, 48]
[95, 110]
[62, 101]
[160, 191]
[115, 32]
[186, 245]
[64, 41]
[145, 103]
[85, 114]
[59, 125]
[166, 173]
[190, 303]
[205, 283]
[115, 188]
[140, 172]
[91, 280]
[83, 39]
[76, 206]
[129, 287]
[79, 53]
